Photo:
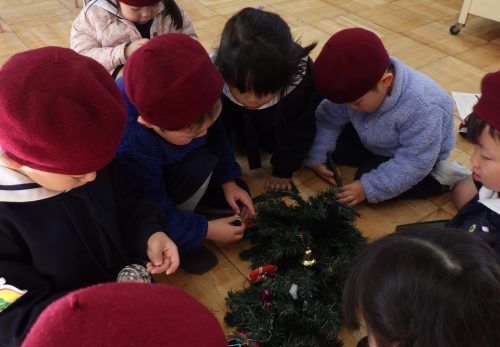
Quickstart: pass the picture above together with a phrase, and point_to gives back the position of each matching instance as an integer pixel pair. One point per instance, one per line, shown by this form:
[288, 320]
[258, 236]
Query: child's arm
[162, 253]
[464, 192]
[84, 40]
[330, 120]
[223, 230]
[234, 194]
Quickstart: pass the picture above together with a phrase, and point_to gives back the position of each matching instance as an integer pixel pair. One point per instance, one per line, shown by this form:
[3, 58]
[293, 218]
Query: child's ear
[7, 162]
[387, 79]
[144, 122]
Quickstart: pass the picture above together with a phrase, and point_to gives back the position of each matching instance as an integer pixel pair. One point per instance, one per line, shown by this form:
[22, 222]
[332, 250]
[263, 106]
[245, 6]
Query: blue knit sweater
[145, 155]
[413, 126]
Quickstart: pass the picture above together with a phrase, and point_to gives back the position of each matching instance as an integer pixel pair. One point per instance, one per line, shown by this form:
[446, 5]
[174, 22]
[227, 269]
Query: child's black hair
[426, 286]
[258, 54]
[475, 127]
[171, 9]
[210, 116]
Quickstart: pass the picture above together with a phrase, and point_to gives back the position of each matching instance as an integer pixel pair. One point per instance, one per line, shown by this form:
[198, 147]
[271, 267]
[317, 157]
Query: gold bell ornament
[308, 258]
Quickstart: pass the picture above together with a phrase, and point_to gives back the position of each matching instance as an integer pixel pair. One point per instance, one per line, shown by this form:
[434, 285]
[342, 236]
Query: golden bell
[307, 259]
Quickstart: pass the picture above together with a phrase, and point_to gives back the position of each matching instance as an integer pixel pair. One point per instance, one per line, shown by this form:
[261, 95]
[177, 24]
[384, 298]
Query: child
[392, 122]
[269, 97]
[111, 30]
[477, 196]
[68, 219]
[126, 315]
[425, 287]
[176, 147]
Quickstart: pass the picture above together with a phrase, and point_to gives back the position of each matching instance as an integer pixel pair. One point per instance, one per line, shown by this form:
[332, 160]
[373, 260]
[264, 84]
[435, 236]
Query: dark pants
[351, 152]
[185, 177]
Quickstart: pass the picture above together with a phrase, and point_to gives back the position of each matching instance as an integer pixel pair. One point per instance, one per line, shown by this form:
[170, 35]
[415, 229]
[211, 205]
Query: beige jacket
[99, 32]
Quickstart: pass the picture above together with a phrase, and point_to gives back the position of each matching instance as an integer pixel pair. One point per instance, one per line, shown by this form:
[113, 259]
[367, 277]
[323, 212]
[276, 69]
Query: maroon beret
[488, 106]
[140, 3]
[60, 112]
[126, 314]
[350, 64]
[171, 81]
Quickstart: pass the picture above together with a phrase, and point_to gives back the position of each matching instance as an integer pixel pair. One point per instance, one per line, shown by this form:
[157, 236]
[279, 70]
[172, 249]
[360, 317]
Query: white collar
[15, 187]
[489, 198]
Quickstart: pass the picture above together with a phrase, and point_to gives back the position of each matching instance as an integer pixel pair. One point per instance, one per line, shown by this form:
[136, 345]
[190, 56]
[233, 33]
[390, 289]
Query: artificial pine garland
[286, 227]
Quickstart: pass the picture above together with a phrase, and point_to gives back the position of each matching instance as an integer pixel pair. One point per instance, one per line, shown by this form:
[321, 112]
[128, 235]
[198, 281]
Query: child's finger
[234, 205]
[155, 253]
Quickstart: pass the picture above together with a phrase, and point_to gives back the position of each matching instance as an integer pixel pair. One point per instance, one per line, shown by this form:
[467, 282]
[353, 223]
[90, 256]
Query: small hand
[279, 183]
[222, 230]
[352, 194]
[162, 253]
[234, 194]
[133, 46]
[324, 173]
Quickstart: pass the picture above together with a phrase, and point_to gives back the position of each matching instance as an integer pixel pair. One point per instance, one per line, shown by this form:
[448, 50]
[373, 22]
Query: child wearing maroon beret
[390, 121]
[268, 97]
[126, 315]
[68, 218]
[111, 30]
[177, 148]
[477, 196]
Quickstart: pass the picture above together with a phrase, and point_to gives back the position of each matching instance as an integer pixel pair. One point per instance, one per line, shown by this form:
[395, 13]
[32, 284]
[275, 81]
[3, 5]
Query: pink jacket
[100, 33]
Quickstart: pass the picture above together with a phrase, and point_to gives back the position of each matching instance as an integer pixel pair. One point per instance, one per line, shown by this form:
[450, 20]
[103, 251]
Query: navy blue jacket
[146, 155]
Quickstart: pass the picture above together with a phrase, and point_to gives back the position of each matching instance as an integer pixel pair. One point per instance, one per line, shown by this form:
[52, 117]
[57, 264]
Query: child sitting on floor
[177, 148]
[111, 30]
[268, 97]
[390, 121]
[425, 287]
[68, 219]
[477, 196]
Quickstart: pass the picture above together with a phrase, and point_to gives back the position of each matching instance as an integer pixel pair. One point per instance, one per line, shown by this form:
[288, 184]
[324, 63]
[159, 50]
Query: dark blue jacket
[146, 155]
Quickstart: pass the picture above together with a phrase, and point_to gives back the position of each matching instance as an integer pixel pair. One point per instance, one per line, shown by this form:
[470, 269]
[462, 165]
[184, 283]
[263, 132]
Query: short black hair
[475, 127]
[426, 287]
[258, 54]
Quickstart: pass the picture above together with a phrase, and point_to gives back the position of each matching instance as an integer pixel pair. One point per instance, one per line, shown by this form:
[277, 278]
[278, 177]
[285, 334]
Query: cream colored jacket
[99, 32]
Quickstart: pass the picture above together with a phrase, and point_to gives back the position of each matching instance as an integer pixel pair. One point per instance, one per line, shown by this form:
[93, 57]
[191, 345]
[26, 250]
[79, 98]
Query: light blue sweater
[413, 126]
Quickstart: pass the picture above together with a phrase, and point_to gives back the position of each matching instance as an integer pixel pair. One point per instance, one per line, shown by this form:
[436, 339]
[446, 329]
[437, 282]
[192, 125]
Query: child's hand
[222, 230]
[278, 183]
[324, 173]
[235, 194]
[133, 46]
[352, 194]
[163, 254]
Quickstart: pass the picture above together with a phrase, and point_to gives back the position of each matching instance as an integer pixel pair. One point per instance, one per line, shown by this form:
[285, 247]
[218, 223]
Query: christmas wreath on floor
[301, 253]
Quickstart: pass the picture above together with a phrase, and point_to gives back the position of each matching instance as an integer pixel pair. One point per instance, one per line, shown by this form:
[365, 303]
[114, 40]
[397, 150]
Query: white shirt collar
[489, 198]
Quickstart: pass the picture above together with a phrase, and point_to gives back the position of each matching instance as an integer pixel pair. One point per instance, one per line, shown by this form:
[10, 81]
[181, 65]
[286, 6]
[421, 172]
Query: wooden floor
[415, 31]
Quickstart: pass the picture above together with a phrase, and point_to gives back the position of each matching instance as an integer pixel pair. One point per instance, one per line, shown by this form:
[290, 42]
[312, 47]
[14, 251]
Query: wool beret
[488, 106]
[140, 3]
[350, 64]
[60, 112]
[171, 81]
[126, 314]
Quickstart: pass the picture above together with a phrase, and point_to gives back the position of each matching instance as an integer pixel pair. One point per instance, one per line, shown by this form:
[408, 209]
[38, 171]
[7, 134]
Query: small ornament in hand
[134, 273]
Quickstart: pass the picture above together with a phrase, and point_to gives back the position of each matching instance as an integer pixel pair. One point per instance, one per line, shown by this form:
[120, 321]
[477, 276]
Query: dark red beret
[350, 64]
[140, 3]
[126, 314]
[60, 112]
[172, 81]
[488, 106]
